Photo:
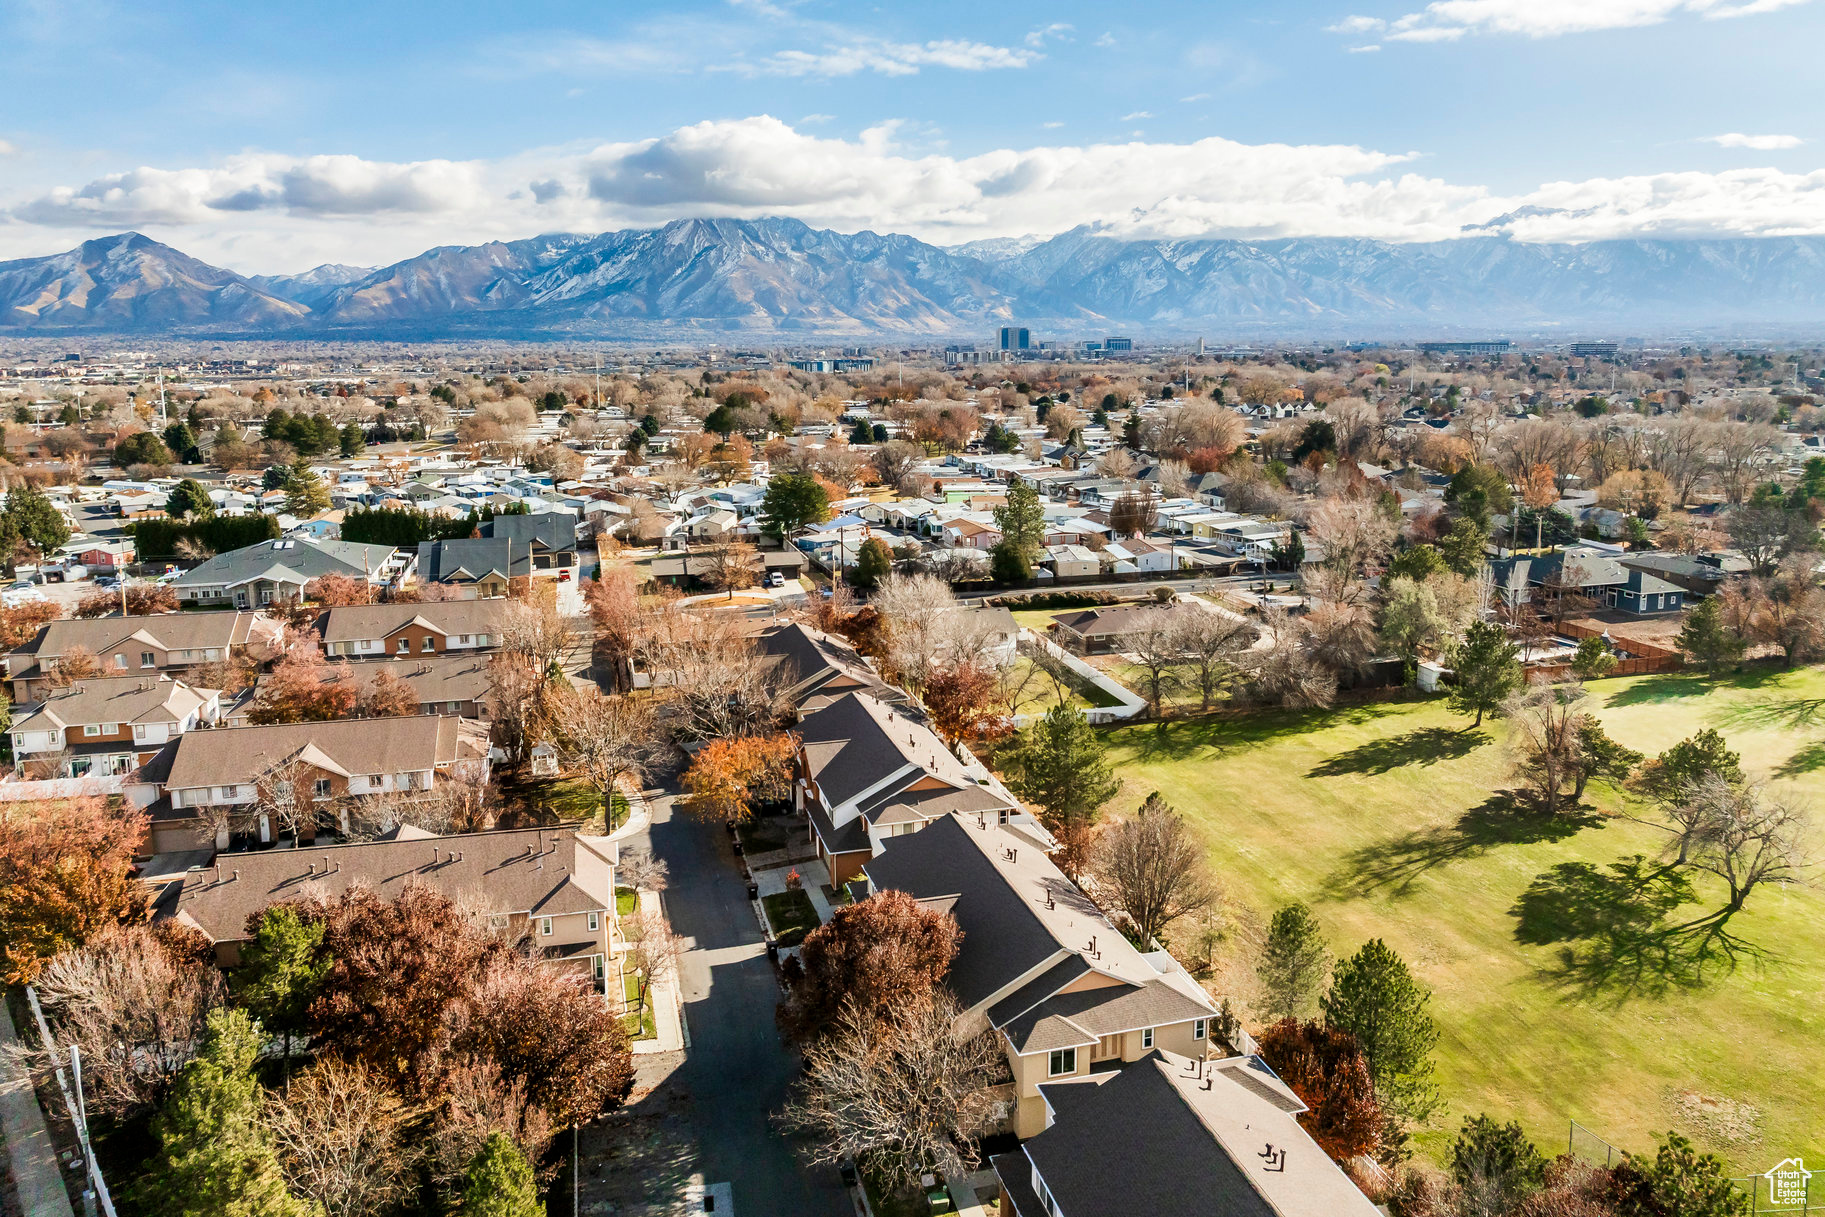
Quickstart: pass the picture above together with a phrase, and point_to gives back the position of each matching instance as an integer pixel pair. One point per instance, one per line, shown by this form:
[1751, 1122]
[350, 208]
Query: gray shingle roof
[1165, 1135]
[472, 558]
[288, 559]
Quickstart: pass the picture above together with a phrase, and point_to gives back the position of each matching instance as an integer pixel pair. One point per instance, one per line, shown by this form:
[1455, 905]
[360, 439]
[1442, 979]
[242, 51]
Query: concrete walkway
[36, 1176]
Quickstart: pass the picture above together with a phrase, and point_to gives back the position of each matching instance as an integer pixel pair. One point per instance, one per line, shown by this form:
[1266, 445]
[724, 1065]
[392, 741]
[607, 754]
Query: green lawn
[791, 914]
[638, 1026]
[1389, 820]
[627, 902]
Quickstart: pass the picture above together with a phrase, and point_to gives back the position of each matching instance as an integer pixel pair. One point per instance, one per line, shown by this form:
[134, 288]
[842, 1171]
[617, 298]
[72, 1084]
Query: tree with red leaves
[1326, 1069]
[728, 777]
[884, 954]
[65, 875]
[21, 623]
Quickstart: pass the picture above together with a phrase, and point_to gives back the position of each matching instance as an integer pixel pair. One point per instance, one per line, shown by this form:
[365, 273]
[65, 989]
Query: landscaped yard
[638, 1026]
[1558, 998]
[791, 914]
[627, 901]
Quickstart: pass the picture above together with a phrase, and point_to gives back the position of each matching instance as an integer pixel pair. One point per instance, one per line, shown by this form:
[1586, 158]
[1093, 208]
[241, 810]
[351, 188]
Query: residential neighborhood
[1209, 776]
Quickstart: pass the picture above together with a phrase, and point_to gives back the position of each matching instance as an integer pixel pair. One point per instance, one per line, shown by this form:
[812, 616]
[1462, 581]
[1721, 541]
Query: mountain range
[780, 278]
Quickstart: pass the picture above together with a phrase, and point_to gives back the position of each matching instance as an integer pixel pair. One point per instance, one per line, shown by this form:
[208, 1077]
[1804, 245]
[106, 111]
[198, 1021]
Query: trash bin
[754, 891]
[772, 950]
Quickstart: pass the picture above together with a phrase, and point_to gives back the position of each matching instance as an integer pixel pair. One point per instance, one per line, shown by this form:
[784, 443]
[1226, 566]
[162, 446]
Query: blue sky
[270, 138]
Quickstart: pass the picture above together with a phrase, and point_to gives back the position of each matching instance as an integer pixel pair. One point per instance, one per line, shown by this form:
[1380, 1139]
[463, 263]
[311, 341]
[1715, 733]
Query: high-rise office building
[1015, 338]
[1118, 344]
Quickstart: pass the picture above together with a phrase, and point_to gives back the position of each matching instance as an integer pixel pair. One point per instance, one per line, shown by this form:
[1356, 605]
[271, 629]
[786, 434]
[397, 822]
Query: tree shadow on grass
[1177, 739]
[1807, 759]
[1426, 746]
[1780, 713]
[1659, 689]
[1503, 819]
[1614, 923]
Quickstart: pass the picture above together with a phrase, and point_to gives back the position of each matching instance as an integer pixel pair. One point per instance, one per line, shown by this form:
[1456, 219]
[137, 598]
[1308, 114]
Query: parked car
[775, 579]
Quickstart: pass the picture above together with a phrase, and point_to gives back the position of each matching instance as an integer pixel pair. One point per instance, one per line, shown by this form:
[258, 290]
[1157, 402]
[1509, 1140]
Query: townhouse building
[869, 771]
[554, 885]
[455, 684]
[207, 788]
[172, 644]
[258, 575]
[1175, 1133]
[107, 724]
[1039, 964]
[373, 631]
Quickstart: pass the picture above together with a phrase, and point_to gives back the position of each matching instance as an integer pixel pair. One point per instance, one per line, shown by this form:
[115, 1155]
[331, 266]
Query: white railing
[1131, 702]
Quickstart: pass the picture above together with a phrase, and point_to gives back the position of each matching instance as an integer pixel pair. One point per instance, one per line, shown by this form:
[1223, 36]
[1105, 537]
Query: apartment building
[455, 684]
[555, 885]
[107, 724]
[1040, 965]
[171, 644]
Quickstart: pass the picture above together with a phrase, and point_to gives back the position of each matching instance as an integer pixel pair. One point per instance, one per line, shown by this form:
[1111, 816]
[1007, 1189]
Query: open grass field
[1559, 991]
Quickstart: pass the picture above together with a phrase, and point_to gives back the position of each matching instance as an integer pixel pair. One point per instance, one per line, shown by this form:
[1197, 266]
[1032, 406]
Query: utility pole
[598, 401]
[162, 422]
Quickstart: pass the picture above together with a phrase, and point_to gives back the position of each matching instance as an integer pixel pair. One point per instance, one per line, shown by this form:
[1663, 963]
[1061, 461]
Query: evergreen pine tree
[1376, 999]
[1488, 670]
[499, 1183]
[215, 1156]
[1294, 962]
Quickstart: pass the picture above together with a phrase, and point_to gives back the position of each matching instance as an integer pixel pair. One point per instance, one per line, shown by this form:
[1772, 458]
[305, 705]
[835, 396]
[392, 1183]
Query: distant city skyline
[272, 140]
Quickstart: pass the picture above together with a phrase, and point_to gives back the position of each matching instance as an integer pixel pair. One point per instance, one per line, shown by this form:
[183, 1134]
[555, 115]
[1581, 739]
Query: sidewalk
[34, 1158]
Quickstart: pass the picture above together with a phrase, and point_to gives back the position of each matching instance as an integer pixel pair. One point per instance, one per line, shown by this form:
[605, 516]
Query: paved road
[34, 1157]
[736, 1070]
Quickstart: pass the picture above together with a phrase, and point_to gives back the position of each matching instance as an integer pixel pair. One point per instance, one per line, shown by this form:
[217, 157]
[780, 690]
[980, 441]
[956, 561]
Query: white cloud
[1105, 40]
[7, 148]
[1054, 125]
[1758, 143]
[1136, 115]
[1058, 30]
[1370, 49]
[812, 120]
[1194, 97]
[887, 58]
[267, 212]
[1449, 20]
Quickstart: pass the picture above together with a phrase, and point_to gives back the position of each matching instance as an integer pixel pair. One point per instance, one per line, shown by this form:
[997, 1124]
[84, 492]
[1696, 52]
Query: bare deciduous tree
[1284, 671]
[610, 737]
[1545, 721]
[1743, 837]
[339, 1130]
[135, 1007]
[1153, 868]
[652, 951]
[901, 1096]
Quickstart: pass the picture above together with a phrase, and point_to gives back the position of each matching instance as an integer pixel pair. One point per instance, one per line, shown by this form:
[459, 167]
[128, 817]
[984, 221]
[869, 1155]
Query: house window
[1199, 1028]
[322, 788]
[147, 659]
[595, 922]
[120, 661]
[403, 782]
[545, 927]
[1061, 1061]
[90, 729]
[497, 921]
[1146, 1037]
[405, 646]
[462, 638]
[427, 643]
[597, 961]
[109, 728]
[231, 792]
[1045, 1195]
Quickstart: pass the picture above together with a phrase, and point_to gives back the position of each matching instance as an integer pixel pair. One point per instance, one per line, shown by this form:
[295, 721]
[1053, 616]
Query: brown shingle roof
[231, 755]
[514, 871]
[168, 631]
[446, 617]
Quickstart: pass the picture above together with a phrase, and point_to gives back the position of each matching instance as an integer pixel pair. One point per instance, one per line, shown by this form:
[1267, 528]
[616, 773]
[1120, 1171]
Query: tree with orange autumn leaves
[65, 875]
[729, 776]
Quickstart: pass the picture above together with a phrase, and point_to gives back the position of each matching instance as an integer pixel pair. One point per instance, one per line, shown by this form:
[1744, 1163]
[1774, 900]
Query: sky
[273, 138]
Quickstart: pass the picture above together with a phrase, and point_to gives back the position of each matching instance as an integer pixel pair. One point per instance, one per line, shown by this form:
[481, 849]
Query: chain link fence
[1783, 1189]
